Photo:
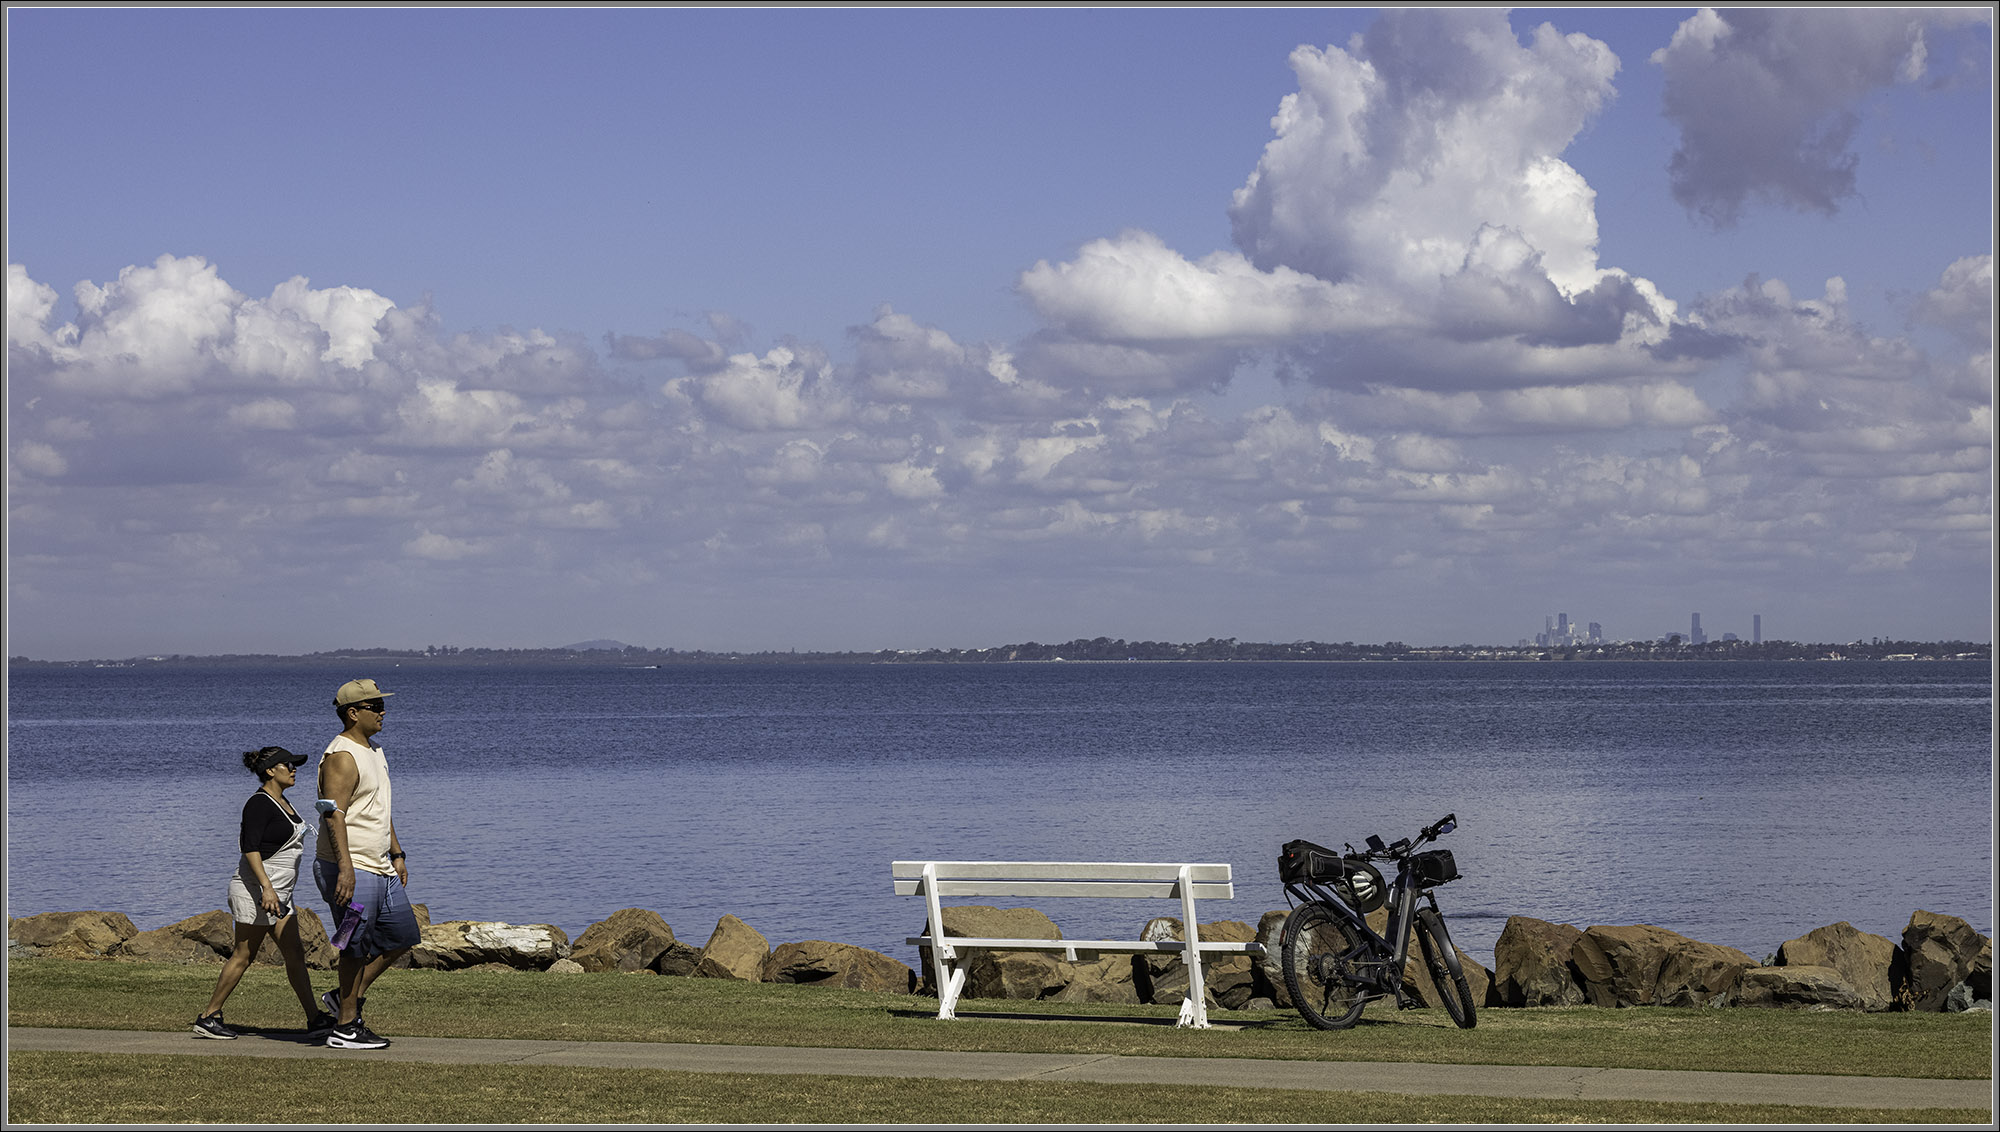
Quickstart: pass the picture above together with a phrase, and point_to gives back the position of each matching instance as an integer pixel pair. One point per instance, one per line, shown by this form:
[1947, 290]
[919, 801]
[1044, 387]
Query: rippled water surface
[1739, 803]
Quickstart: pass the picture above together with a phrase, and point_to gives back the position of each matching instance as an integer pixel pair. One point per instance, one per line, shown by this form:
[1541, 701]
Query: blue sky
[749, 329]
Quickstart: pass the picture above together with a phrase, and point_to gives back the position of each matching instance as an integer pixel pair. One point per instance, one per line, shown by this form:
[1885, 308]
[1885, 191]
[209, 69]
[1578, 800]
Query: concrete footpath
[1253, 1073]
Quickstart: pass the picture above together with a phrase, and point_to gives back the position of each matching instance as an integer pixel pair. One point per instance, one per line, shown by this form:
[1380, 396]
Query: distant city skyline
[882, 328]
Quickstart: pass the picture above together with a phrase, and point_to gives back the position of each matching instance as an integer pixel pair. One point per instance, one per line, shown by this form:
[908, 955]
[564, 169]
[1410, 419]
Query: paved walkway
[1255, 1073]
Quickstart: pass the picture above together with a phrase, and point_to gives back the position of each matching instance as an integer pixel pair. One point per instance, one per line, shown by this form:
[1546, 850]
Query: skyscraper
[1756, 628]
[1695, 636]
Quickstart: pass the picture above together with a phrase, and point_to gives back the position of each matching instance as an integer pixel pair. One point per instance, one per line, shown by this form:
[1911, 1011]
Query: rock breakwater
[1940, 964]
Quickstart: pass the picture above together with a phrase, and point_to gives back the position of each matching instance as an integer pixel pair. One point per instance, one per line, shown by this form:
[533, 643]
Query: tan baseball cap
[355, 691]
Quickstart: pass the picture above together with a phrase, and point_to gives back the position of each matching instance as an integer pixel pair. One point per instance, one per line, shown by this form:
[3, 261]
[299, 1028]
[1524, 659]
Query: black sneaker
[210, 1026]
[331, 1000]
[321, 1022]
[354, 1036]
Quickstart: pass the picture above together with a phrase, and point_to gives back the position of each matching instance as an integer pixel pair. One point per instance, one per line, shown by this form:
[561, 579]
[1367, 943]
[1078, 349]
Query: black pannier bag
[1302, 861]
[1434, 868]
[1353, 879]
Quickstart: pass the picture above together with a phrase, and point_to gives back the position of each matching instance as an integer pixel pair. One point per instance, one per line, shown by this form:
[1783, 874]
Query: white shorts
[244, 891]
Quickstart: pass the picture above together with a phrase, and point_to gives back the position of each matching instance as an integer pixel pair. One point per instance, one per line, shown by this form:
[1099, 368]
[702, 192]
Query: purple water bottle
[347, 925]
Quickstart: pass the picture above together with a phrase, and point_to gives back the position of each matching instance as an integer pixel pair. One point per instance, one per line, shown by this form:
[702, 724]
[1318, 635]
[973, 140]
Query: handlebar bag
[1434, 868]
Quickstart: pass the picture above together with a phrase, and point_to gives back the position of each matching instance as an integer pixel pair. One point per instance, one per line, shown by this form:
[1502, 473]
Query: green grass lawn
[84, 1087]
[62, 1088]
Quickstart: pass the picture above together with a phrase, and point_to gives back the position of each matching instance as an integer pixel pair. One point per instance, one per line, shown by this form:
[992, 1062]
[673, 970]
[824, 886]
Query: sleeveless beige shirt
[367, 814]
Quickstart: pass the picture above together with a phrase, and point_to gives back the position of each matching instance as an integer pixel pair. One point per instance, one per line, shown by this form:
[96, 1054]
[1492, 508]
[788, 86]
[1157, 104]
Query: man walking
[359, 861]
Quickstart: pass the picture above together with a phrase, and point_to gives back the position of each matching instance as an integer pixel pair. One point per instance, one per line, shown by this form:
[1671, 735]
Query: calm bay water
[1739, 803]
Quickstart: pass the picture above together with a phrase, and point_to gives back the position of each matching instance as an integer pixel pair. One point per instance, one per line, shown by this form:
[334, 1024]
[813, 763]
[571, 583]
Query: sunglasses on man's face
[377, 707]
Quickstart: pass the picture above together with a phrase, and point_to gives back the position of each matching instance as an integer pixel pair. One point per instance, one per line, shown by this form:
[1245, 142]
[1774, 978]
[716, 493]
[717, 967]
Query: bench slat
[1058, 870]
[1157, 890]
[1118, 945]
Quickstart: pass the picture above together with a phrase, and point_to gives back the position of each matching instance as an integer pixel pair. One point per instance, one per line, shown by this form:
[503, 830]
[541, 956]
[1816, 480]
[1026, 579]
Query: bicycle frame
[1386, 960]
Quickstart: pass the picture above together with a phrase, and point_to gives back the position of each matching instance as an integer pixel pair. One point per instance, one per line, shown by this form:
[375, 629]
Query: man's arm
[338, 777]
[396, 858]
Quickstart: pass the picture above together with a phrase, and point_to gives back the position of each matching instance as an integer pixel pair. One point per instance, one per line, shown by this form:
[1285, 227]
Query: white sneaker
[355, 1036]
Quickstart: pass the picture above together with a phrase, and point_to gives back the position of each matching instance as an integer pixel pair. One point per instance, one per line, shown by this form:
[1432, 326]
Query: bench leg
[951, 983]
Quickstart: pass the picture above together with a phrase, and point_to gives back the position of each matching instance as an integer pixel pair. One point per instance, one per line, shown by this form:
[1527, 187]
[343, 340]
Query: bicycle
[1334, 963]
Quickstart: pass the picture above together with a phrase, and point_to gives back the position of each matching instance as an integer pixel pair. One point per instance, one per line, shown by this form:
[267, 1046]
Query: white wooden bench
[937, 880]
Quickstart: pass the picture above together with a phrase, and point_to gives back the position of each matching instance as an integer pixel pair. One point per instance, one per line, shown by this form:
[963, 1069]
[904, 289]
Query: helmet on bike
[1360, 884]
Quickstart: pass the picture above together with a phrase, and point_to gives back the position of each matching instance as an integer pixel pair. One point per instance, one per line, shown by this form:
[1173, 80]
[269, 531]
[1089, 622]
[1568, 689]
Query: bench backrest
[1064, 878]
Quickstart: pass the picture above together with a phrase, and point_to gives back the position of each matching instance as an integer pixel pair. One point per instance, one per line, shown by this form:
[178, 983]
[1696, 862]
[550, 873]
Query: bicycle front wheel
[1318, 950]
[1441, 960]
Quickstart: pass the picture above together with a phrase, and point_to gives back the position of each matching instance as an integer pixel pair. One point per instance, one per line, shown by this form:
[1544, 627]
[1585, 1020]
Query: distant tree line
[1673, 647]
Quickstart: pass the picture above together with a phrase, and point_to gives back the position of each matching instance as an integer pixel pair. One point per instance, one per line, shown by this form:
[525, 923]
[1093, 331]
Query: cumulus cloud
[1135, 289]
[1765, 99]
[783, 389]
[1962, 302]
[1546, 409]
[1394, 152]
[1411, 222]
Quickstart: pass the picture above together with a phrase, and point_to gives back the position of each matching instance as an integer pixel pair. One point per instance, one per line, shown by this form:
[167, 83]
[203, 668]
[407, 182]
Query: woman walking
[260, 891]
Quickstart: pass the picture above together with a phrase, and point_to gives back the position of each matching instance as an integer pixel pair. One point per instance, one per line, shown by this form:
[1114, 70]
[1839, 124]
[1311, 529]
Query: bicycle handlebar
[1402, 848]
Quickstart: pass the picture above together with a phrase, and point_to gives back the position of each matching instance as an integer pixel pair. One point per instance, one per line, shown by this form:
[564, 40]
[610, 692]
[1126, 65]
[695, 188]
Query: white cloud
[1962, 302]
[38, 459]
[783, 390]
[1765, 99]
[1136, 289]
[442, 548]
[1537, 409]
[1394, 152]
[1412, 223]
[265, 413]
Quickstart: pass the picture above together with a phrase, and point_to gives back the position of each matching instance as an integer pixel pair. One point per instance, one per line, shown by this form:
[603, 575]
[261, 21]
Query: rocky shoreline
[1940, 965]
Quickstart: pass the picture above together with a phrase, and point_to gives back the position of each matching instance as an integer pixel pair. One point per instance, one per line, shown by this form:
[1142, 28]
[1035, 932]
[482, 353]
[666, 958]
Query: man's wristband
[397, 856]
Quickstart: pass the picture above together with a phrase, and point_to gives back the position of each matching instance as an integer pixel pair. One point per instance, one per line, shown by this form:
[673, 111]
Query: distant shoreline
[1096, 651]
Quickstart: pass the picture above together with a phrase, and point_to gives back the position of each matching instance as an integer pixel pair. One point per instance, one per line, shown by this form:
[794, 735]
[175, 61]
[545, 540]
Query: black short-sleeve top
[266, 825]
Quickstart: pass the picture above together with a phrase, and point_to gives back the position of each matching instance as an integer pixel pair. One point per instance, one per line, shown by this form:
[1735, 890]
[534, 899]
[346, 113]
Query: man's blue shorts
[387, 921]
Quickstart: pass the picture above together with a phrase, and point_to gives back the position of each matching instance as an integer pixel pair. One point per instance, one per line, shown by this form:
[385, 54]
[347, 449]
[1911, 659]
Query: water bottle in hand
[347, 925]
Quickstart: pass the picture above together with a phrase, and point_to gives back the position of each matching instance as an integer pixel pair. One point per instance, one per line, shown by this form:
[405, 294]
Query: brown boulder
[1232, 979]
[1531, 964]
[1643, 965]
[1797, 986]
[320, 955]
[1417, 978]
[458, 944]
[678, 959]
[71, 935]
[1867, 964]
[1270, 965]
[630, 939]
[1105, 979]
[207, 938]
[1942, 952]
[735, 950]
[1001, 974]
[818, 963]
[1161, 977]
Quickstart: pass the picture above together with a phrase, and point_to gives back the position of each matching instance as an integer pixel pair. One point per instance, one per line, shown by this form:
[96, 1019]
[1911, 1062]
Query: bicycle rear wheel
[1318, 947]
[1441, 960]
